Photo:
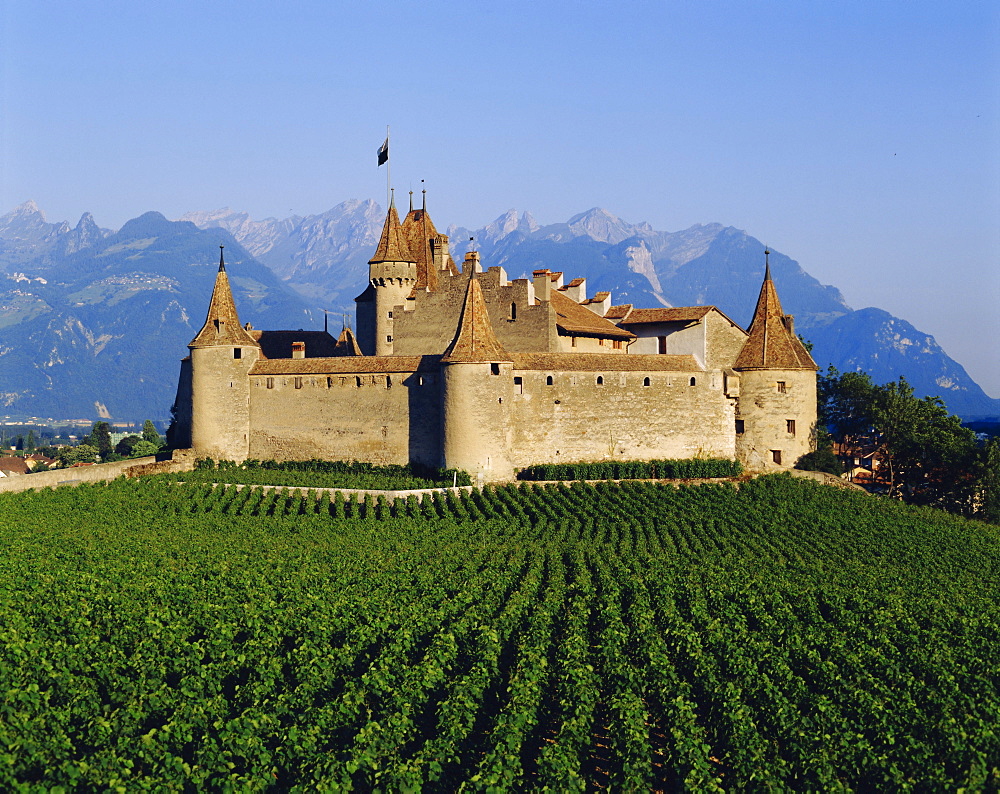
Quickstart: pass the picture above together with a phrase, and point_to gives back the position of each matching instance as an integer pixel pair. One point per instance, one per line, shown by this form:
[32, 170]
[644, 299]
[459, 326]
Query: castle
[466, 368]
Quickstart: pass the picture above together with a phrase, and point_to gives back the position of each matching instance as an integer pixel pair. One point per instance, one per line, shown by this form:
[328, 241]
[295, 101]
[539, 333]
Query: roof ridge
[222, 322]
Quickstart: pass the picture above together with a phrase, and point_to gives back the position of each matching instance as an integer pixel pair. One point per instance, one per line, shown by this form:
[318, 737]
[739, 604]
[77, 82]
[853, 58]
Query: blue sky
[860, 138]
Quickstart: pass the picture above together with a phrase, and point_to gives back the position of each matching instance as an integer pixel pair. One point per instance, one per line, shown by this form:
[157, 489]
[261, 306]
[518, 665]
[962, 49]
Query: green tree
[143, 448]
[150, 434]
[29, 445]
[101, 438]
[127, 444]
[988, 485]
[84, 453]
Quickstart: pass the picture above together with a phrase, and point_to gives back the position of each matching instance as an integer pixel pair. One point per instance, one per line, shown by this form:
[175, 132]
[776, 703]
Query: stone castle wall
[769, 400]
[383, 418]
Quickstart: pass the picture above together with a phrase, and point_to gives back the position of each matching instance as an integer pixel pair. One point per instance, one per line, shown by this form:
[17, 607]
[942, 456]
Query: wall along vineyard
[634, 636]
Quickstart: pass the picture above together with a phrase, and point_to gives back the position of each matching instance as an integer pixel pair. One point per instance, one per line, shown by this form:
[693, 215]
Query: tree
[921, 453]
[84, 453]
[126, 445]
[144, 447]
[988, 485]
[150, 434]
[29, 445]
[101, 438]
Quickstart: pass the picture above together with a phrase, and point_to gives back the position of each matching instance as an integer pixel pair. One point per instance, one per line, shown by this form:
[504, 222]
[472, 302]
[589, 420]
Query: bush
[820, 460]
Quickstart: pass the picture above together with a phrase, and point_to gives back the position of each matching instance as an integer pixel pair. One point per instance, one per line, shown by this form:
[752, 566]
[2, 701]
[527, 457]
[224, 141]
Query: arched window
[548, 380]
[600, 380]
[693, 382]
[513, 311]
[645, 381]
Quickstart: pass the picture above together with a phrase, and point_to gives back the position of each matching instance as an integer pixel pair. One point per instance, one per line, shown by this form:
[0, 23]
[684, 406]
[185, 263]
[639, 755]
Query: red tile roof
[771, 343]
[392, 245]
[474, 339]
[575, 319]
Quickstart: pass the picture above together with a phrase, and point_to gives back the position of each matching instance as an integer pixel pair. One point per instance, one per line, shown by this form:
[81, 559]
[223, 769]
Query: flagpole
[388, 170]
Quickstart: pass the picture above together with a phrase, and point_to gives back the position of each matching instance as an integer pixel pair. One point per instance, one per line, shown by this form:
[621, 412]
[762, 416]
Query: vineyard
[779, 635]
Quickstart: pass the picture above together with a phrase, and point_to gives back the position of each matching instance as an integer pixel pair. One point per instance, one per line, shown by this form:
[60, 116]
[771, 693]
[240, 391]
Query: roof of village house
[771, 343]
[347, 344]
[343, 365]
[14, 465]
[574, 318]
[392, 245]
[606, 362]
[474, 340]
[278, 344]
[222, 324]
[418, 229]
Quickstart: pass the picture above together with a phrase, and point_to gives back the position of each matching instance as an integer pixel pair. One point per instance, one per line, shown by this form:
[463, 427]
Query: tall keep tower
[392, 274]
[478, 389]
[776, 409]
[222, 354]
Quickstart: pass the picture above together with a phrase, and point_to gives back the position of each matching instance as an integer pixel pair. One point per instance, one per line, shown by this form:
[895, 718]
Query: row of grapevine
[638, 636]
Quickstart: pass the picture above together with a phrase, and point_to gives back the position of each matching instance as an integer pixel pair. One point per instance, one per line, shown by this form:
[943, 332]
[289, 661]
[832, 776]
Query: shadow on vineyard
[637, 636]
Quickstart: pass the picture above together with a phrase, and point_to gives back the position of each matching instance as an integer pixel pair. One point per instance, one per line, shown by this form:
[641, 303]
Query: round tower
[222, 354]
[478, 388]
[776, 410]
[392, 275]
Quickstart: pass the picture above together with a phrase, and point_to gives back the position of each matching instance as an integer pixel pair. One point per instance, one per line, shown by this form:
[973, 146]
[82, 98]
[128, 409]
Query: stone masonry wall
[382, 418]
[576, 419]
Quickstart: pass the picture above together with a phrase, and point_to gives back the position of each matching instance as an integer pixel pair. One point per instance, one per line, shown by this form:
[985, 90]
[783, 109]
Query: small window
[237, 352]
[548, 380]
[645, 381]
[790, 426]
[693, 382]
[618, 344]
[600, 380]
[572, 341]
[601, 342]
[494, 369]
[388, 381]
[329, 383]
[741, 427]
[388, 338]
[518, 385]
[298, 383]
[357, 381]
[781, 387]
[390, 315]
[420, 380]
[270, 383]
[513, 311]
[661, 345]
[776, 456]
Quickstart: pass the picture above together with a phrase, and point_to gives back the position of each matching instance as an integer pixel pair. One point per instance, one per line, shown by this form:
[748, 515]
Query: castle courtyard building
[467, 368]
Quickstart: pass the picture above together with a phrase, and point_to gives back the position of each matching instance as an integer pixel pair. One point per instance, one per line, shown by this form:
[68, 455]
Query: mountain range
[93, 322]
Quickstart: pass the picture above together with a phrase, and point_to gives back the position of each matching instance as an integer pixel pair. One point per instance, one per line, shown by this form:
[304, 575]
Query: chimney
[790, 323]
[542, 281]
[577, 290]
[298, 349]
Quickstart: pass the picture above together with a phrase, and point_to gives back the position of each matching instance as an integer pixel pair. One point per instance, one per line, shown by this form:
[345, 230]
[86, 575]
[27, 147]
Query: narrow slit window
[298, 383]
[270, 383]
[357, 381]
[661, 345]
[513, 311]
[790, 426]
[782, 388]
[388, 381]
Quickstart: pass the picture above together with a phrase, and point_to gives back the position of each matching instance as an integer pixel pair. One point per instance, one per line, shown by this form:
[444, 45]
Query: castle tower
[776, 409]
[392, 274]
[222, 354]
[478, 388]
[428, 247]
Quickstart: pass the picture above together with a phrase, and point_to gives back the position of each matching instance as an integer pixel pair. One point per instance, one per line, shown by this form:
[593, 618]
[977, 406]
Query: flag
[383, 152]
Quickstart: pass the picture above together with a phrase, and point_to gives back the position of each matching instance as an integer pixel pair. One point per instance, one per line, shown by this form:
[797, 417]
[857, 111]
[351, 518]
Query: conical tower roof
[772, 342]
[418, 228]
[347, 344]
[392, 246]
[474, 339]
[222, 325]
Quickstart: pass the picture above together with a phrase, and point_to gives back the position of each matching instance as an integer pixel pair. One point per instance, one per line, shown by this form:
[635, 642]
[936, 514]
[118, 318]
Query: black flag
[383, 152]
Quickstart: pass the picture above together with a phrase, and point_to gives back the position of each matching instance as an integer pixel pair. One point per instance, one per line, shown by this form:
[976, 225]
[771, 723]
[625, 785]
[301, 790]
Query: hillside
[783, 635]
